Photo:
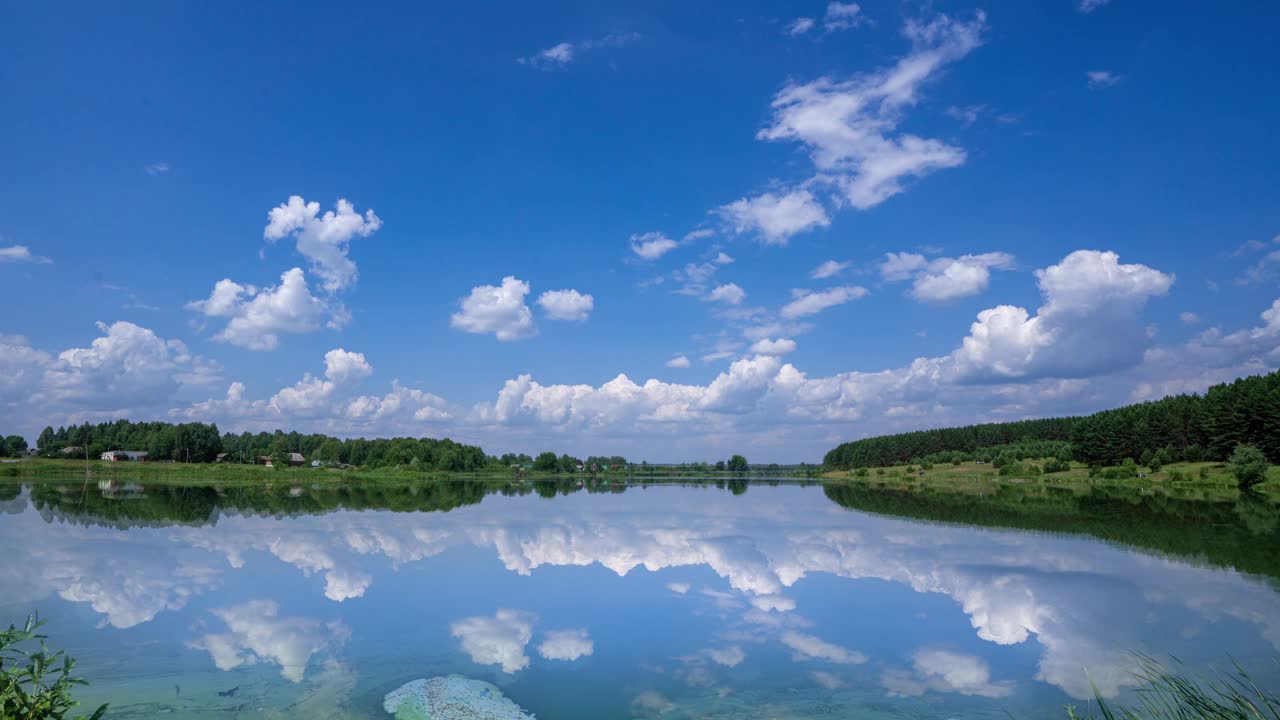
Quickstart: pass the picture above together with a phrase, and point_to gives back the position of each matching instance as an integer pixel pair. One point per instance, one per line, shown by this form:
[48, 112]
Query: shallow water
[666, 601]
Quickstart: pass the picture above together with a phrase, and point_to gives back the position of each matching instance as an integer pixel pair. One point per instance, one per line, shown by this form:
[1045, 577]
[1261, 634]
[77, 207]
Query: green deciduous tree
[546, 462]
[1248, 465]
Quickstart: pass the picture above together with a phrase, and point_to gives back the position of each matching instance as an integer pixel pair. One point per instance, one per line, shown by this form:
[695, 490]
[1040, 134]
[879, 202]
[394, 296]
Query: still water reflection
[661, 602]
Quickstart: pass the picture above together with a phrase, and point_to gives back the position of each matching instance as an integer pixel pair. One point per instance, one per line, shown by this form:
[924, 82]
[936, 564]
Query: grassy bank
[1210, 479]
[179, 473]
[235, 473]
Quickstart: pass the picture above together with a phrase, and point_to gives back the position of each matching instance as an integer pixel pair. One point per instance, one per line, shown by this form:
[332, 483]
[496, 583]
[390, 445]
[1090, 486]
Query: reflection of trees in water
[137, 505]
[1243, 533]
[200, 505]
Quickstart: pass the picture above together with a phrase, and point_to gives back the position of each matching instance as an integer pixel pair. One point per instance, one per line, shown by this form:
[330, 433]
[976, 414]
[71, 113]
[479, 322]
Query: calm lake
[668, 601]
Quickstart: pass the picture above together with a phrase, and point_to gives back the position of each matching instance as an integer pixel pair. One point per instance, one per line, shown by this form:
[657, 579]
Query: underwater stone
[452, 697]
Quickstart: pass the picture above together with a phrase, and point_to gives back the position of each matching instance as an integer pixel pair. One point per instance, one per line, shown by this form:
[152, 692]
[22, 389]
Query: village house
[125, 456]
[295, 460]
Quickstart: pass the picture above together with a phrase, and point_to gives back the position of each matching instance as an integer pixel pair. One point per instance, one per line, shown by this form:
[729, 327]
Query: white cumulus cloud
[322, 239]
[566, 645]
[497, 640]
[1089, 322]
[497, 309]
[729, 294]
[944, 279]
[566, 305]
[781, 346]
[775, 218]
[256, 317]
[257, 633]
[312, 394]
[945, 671]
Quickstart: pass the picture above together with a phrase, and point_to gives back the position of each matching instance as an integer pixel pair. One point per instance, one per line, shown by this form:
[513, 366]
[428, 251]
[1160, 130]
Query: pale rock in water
[451, 697]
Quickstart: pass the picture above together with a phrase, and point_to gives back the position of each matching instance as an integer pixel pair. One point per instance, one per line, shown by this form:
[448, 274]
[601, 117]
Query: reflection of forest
[1242, 533]
[138, 504]
[124, 505]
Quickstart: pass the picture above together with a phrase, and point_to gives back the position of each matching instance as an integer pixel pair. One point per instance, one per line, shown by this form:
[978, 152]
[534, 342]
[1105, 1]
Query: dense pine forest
[1181, 427]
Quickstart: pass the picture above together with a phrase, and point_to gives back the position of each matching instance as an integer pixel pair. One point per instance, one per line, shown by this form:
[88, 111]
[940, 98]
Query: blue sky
[1027, 209]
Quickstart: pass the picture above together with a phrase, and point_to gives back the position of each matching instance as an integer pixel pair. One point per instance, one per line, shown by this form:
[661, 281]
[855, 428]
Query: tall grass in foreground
[1166, 694]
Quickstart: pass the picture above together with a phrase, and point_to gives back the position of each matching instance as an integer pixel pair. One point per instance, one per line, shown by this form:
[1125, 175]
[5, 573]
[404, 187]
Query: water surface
[669, 601]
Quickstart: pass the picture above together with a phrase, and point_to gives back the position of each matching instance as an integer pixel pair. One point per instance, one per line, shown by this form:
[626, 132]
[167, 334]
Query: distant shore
[237, 473]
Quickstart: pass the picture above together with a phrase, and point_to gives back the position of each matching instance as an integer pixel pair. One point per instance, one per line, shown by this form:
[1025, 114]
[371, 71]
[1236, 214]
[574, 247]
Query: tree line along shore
[1233, 427]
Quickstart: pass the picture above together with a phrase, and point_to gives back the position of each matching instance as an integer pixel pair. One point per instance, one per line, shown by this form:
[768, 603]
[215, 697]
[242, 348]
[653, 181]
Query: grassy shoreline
[1204, 478]
[233, 473]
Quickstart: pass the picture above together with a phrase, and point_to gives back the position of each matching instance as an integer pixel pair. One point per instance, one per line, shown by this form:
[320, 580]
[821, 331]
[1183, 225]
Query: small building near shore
[125, 456]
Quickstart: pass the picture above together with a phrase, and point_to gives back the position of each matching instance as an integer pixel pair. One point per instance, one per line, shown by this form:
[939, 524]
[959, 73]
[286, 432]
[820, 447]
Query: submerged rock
[451, 697]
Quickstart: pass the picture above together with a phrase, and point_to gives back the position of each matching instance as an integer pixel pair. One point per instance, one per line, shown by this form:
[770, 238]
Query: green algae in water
[452, 697]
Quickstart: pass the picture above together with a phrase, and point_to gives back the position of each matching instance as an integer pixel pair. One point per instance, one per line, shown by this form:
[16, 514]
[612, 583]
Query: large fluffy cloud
[496, 309]
[323, 239]
[1090, 322]
[257, 633]
[498, 640]
[127, 371]
[256, 317]
[311, 393]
